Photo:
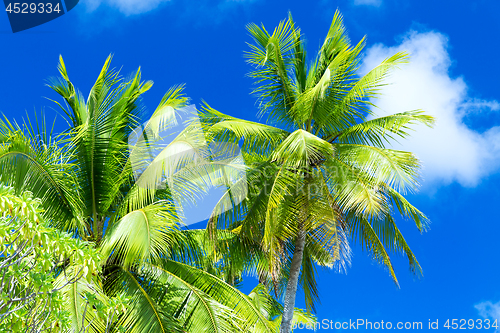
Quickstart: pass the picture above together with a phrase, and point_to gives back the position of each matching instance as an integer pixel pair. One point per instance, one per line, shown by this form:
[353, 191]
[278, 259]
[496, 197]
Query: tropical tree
[320, 172]
[34, 263]
[103, 188]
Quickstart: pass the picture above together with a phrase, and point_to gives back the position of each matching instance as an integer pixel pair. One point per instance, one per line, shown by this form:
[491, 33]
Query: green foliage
[35, 261]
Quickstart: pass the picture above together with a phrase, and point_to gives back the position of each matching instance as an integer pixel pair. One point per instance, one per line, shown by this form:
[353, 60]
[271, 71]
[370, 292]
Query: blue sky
[453, 75]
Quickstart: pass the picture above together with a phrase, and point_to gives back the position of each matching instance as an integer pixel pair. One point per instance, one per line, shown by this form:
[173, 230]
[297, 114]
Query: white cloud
[134, 7]
[375, 3]
[493, 105]
[489, 310]
[127, 7]
[450, 151]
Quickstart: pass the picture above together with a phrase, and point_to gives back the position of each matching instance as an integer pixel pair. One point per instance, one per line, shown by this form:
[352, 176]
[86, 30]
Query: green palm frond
[394, 241]
[250, 318]
[370, 84]
[363, 232]
[77, 111]
[351, 188]
[272, 309]
[302, 149]
[76, 299]
[263, 301]
[354, 102]
[320, 100]
[406, 209]
[380, 131]
[142, 234]
[146, 313]
[257, 138]
[273, 57]
[328, 236]
[398, 169]
[299, 60]
[335, 40]
[31, 159]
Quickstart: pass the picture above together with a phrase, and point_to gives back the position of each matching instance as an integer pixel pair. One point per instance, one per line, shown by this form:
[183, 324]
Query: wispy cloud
[127, 7]
[481, 105]
[489, 310]
[375, 3]
[451, 151]
[135, 7]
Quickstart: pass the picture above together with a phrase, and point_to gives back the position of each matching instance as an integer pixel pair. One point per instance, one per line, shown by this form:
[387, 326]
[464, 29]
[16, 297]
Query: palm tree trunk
[291, 288]
[99, 226]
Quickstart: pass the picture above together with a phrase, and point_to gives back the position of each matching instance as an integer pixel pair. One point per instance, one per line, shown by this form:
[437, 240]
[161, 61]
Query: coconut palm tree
[320, 172]
[98, 185]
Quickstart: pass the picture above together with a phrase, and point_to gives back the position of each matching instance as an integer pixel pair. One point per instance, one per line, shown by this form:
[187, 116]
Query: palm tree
[97, 185]
[319, 170]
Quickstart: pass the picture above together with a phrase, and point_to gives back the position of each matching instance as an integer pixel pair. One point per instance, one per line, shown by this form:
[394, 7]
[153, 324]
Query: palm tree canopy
[320, 165]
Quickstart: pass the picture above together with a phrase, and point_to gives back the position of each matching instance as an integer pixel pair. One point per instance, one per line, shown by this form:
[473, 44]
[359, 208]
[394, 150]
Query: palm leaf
[380, 130]
[142, 234]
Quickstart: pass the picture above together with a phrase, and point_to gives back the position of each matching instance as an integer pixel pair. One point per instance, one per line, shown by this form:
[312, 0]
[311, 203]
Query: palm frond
[33, 162]
[394, 241]
[142, 235]
[257, 138]
[272, 56]
[77, 111]
[302, 149]
[230, 297]
[398, 169]
[352, 189]
[406, 209]
[147, 312]
[76, 299]
[380, 131]
[362, 231]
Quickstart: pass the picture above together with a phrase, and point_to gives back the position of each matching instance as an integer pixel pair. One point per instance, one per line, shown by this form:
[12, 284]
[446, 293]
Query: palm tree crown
[319, 169]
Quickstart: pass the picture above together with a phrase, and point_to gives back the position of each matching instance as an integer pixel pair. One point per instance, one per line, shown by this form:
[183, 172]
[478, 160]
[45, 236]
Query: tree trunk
[291, 288]
[99, 226]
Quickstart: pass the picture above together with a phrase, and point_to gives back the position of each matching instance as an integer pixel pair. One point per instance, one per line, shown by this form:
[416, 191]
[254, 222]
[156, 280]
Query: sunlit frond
[142, 234]
[380, 131]
[398, 169]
